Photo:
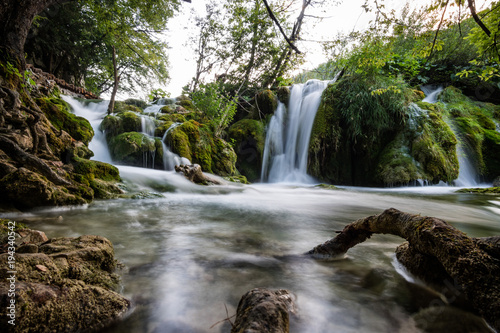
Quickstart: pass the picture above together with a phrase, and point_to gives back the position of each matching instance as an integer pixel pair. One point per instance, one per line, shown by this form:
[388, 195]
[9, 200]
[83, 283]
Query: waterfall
[148, 125]
[170, 159]
[467, 175]
[94, 113]
[431, 93]
[288, 134]
[156, 106]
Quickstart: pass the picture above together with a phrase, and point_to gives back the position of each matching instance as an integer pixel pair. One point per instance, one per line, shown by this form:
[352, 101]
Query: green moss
[167, 109]
[283, 94]
[178, 141]
[452, 95]
[248, 137]
[237, 179]
[266, 102]
[136, 102]
[57, 111]
[223, 158]
[175, 118]
[95, 169]
[491, 154]
[129, 148]
[488, 190]
[121, 106]
[130, 122]
[186, 104]
[396, 165]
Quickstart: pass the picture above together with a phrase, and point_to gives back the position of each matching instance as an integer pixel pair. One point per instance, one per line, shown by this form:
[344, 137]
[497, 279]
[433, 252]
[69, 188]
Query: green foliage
[370, 106]
[156, 94]
[74, 41]
[218, 108]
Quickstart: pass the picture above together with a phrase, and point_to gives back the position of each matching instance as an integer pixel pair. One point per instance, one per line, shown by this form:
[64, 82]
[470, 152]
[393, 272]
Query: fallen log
[474, 263]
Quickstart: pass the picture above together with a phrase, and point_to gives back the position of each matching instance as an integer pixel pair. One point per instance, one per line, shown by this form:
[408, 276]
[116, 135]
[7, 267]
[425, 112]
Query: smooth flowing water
[195, 252]
[288, 134]
[188, 257]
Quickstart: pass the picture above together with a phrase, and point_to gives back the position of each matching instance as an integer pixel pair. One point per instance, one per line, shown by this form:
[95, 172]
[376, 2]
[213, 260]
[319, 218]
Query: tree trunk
[111, 105]
[16, 17]
[473, 263]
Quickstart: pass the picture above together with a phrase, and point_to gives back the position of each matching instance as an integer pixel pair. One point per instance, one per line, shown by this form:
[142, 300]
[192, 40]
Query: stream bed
[189, 257]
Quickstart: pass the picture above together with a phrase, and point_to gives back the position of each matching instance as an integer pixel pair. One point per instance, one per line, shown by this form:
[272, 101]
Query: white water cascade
[155, 108]
[467, 175]
[94, 113]
[288, 134]
[170, 159]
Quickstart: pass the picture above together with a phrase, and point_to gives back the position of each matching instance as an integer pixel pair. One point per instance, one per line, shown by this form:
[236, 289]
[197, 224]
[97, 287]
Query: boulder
[62, 284]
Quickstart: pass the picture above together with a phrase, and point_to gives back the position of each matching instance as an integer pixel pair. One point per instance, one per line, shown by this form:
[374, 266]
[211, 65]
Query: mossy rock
[57, 111]
[240, 179]
[396, 165]
[266, 102]
[174, 118]
[178, 141]
[96, 169]
[24, 189]
[248, 137]
[136, 102]
[121, 106]
[131, 148]
[223, 159]
[487, 190]
[167, 109]
[130, 121]
[186, 104]
[491, 154]
[283, 94]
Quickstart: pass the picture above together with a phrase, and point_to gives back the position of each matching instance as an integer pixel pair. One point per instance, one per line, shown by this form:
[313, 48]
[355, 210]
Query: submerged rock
[62, 284]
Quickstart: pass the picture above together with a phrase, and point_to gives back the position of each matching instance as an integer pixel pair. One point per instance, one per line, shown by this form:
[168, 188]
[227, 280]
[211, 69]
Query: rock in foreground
[61, 284]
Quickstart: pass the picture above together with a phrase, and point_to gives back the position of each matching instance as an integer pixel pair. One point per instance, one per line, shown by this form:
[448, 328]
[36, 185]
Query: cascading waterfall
[288, 134]
[155, 108]
[170, 159]
[467, 175]
[94, 113]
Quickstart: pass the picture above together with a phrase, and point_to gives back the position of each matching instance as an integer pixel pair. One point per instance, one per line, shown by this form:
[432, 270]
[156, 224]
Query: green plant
[218, 108]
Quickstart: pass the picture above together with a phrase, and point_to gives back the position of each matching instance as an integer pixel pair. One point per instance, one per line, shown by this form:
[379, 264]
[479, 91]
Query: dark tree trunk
[16, 17]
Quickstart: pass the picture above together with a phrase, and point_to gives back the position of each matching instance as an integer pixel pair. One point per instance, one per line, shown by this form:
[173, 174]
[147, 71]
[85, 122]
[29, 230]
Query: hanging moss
[266, 102]
[396, 165]
[178, 141]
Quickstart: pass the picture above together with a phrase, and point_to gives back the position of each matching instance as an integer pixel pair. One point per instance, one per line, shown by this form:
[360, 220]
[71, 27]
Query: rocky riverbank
[57, 285]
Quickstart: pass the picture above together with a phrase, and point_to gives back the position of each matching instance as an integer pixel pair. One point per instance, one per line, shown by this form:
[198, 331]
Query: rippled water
[190, 255]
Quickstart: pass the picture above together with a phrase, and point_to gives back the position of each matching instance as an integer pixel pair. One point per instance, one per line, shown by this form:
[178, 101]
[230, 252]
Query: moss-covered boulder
[248, 137]
[57, 111]
[197, 143]
[266, 103]
[132, 148]
[25, 189]
[62, 284]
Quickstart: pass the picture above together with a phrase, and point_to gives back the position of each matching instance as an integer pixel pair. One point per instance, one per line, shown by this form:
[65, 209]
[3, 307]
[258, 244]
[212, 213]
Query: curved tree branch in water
[473, 262]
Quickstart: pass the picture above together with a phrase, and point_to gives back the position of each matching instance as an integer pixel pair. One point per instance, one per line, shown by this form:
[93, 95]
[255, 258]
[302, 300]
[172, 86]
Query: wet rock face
[263, 310]
[62, 284]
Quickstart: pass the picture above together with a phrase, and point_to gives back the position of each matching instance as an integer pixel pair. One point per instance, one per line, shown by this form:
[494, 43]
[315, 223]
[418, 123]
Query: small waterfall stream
[467, 174]
[288, 134]
[170, 159]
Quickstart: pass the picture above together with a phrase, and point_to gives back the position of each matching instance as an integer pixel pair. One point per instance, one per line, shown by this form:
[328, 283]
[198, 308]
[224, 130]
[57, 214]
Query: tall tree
[16, 18]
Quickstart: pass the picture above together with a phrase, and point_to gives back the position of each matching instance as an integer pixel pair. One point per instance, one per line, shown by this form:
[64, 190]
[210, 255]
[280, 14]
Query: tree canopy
[74, 40]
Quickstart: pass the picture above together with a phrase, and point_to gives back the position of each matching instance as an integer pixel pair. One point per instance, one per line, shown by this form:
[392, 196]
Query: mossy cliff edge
[44, 155]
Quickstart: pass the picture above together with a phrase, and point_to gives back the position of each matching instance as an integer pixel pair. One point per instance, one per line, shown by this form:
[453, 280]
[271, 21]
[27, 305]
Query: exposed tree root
[474, 263]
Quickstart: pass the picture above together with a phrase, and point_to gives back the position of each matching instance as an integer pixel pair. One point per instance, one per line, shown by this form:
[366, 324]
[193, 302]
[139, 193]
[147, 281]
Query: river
[192, 254]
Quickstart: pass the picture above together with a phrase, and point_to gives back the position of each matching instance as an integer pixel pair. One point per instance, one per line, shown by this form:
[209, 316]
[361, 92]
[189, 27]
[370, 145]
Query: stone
[263, 310]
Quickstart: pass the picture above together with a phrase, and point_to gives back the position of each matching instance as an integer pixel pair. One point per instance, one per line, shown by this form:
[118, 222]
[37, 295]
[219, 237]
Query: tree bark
[472, 9]
[465, 259]
[16, 17]
[111, 105]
